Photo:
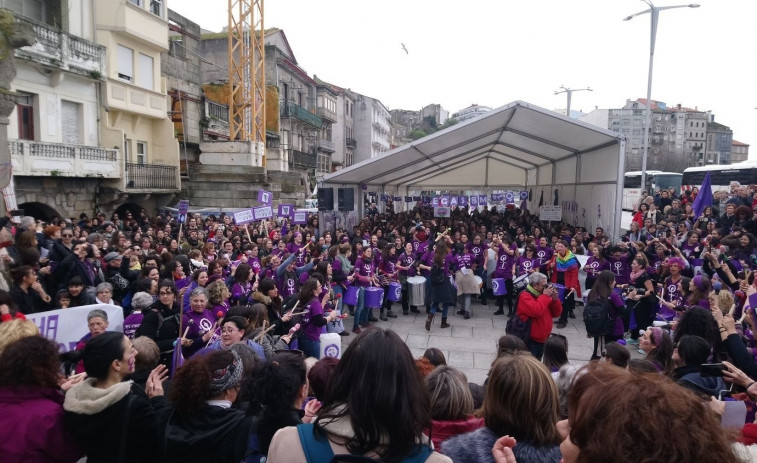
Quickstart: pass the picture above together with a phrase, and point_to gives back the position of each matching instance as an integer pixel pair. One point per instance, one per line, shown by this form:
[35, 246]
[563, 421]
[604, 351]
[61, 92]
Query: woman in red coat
[564, 267]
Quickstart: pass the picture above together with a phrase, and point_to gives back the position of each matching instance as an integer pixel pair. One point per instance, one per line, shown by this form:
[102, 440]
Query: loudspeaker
[346, 199]
[325, 199]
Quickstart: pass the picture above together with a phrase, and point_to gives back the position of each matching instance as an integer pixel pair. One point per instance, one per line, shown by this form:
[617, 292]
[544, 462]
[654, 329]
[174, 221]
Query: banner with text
[67, 326]
[243, 217]
[550, 213]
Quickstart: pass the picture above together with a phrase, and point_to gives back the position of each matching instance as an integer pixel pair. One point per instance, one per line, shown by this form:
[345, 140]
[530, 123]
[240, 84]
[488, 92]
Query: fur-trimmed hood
[86, 399]
[262, 298]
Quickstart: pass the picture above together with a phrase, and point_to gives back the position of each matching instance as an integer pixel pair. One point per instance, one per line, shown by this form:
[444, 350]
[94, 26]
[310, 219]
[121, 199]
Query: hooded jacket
[96, 418]
[213, 434]
[689, 377]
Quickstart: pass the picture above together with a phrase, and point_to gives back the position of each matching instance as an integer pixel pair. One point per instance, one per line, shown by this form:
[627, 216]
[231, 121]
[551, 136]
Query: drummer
[528, 263]
[544, 252]
[426, 262]
[476, 249]
[461, 263]
[406, 267]
[365, 275]
[387, 271]
[507, 256]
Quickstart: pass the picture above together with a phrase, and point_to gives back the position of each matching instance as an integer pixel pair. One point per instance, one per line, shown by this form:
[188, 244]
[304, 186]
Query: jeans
[435, 306]
[309, 347]
[361, 315]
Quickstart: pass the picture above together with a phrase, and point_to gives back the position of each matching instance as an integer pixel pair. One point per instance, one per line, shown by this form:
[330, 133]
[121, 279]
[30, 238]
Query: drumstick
[299, 313]
[185, 333]
[260, 337]
[295, 306]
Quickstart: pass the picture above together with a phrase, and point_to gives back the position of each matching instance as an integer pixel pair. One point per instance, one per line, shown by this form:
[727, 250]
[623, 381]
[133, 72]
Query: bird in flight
[404, 48]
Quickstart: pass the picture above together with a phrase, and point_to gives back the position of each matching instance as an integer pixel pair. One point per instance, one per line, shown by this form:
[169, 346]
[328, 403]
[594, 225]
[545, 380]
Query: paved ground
[470, 345]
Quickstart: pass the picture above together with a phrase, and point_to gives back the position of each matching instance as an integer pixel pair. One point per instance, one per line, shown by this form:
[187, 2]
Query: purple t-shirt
[670, 291]
[405, 261]
[132, 323]
[505, 263]
[477, 251]
[365, 271]
[593, 266]
[312, 309]
[461, 261]
[544, 254]
[525, 265]
[202, 322]
[621, 269]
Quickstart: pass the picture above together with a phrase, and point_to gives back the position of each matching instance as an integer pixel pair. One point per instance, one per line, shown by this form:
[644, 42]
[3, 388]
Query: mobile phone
[753, 301]
[712, 369]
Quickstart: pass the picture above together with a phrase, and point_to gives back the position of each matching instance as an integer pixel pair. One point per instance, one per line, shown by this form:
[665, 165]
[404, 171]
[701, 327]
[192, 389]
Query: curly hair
[275, 385]
[678, 428]
[191, 384]
[215, 292]
[699, 322]
[30, 361]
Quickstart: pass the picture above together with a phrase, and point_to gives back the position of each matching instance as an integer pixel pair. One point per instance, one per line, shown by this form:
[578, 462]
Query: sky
[493, 52]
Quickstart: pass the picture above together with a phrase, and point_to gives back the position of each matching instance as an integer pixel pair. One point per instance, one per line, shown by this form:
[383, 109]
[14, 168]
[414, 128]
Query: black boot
[444, 323]
[382, 315]
[414, 309]
[500, 311]
[391, 314]
[371, 318]
[428, 322]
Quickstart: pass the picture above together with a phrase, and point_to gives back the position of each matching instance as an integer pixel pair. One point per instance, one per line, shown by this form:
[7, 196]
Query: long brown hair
[522, 401]
[440, 253]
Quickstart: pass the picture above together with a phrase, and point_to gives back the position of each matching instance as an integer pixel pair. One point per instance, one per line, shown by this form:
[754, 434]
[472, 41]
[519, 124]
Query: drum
[498, 287]
[395, 292]
[373, 296]
[560, 291]
[331, 345]
[479, 280]
[520, 283]
[417, 290]
[350, 296]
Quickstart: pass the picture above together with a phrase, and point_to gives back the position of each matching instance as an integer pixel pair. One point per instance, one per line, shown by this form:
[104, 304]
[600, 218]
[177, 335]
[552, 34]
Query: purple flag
[474, 201]
[444, 202]
[704, 197]
[462, 201]
[453, 201]
[285, 210]
[482, 200]
[435, 201]
[510, 197]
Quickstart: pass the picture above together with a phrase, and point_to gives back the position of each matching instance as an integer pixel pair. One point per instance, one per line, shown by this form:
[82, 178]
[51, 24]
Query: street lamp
[654, 13]
[570, 91]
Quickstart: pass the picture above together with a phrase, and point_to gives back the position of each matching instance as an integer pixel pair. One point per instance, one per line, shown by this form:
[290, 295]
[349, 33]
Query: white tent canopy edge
[517, 146]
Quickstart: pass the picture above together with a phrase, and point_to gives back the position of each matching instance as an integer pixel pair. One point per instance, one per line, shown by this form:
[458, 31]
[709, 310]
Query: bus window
[632, 181]
[667, 181]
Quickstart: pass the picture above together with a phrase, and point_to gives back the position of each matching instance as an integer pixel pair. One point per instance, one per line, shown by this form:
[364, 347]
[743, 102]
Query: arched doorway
[131, 207]
[39, 211]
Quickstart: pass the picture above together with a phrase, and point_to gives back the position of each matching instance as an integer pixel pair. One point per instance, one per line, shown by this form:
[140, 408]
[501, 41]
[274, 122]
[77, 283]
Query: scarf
[568, 262]
[635, 275]
[531, 290]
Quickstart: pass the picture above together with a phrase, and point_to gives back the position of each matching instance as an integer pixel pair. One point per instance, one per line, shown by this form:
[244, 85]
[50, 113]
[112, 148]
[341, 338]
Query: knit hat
[112, 256]
[697, 280]
[227, 377]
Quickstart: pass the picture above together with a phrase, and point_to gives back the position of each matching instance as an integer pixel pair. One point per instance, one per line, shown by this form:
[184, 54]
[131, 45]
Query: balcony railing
[62, 160]
[217, 111]
[351, 143]
[302, 160]
[61, 50]
[150, 177]
[327, 114]
[326, 145]
[290, 109]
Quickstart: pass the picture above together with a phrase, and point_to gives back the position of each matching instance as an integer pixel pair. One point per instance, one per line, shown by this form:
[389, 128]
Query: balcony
[60, 50]
[43, 159]
[151, 177]
[351, 143]
[326, 145]
[216, 122]
[302, 160]
[290, 109]
[326, 114]
[136, 100]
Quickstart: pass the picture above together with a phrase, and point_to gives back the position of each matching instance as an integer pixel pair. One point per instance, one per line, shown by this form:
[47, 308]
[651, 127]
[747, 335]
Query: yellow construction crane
[246, 35]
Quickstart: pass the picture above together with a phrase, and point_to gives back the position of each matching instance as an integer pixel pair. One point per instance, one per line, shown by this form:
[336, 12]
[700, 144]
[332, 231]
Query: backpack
[253, 454]
[437, 275]
[517, 327]
[597, 318]
[318, 450]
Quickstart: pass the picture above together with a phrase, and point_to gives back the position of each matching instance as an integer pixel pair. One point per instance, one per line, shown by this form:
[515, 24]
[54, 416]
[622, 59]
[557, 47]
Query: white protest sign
[550, 213]
[300, 217]
[68, 326]
[262, 212]
[244, 216]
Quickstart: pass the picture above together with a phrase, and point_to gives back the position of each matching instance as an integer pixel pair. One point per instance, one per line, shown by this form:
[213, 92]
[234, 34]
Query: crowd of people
[220, 356]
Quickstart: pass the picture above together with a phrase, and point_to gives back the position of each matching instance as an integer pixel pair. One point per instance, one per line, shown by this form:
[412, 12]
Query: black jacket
[161, 324]
[213, 434]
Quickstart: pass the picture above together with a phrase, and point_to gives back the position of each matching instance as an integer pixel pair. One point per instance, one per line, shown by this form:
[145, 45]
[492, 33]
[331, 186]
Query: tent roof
[495, 150]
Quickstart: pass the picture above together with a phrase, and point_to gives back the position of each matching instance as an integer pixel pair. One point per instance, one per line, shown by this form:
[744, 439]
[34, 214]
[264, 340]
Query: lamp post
[570, 91]
[654, 13]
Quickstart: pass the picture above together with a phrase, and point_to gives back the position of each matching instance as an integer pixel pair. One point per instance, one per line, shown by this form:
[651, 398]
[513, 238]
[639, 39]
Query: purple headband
[698, 282]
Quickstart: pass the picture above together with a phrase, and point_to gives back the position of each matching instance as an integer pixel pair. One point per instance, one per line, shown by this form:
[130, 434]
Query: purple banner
[510, 197]
[285, 210]
[524, 195]
[462, 201]
[427, 200]
[408, 199]
[474, 201]
[444, 202]
[416, 198]
[245, 216]
[300, 217]
[453, 201]
[435, 201]
[482, 200]
[397, 198]
[265, 197]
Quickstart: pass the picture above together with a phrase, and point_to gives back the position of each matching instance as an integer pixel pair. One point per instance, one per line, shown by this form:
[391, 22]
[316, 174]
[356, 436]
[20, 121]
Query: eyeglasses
[68, 236]
[164, 293]
[229, 330]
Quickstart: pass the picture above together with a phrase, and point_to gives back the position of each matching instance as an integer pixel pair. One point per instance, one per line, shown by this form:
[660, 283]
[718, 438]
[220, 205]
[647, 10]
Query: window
[33, 9]
[136, 2]
[25, 109]
[141, 152]
[125, 63]
[70, 122]
[324, 164]
[145, 72]
[127, 149]
[156, 7]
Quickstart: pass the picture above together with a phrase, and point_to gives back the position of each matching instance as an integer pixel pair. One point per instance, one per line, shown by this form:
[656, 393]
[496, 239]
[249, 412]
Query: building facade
[719, 141]
[470, 112]
[135, 112]
[372, 128]
[739, 152]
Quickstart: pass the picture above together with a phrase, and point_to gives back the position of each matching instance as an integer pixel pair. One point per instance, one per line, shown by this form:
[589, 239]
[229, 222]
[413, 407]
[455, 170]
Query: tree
[416, 134]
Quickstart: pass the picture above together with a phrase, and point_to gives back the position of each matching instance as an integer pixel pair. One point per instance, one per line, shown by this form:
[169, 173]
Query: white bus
[655, 179]
[721, 176]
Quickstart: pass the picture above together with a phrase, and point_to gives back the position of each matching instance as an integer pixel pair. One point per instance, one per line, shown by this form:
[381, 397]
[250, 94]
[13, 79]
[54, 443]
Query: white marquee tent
[516, 147]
